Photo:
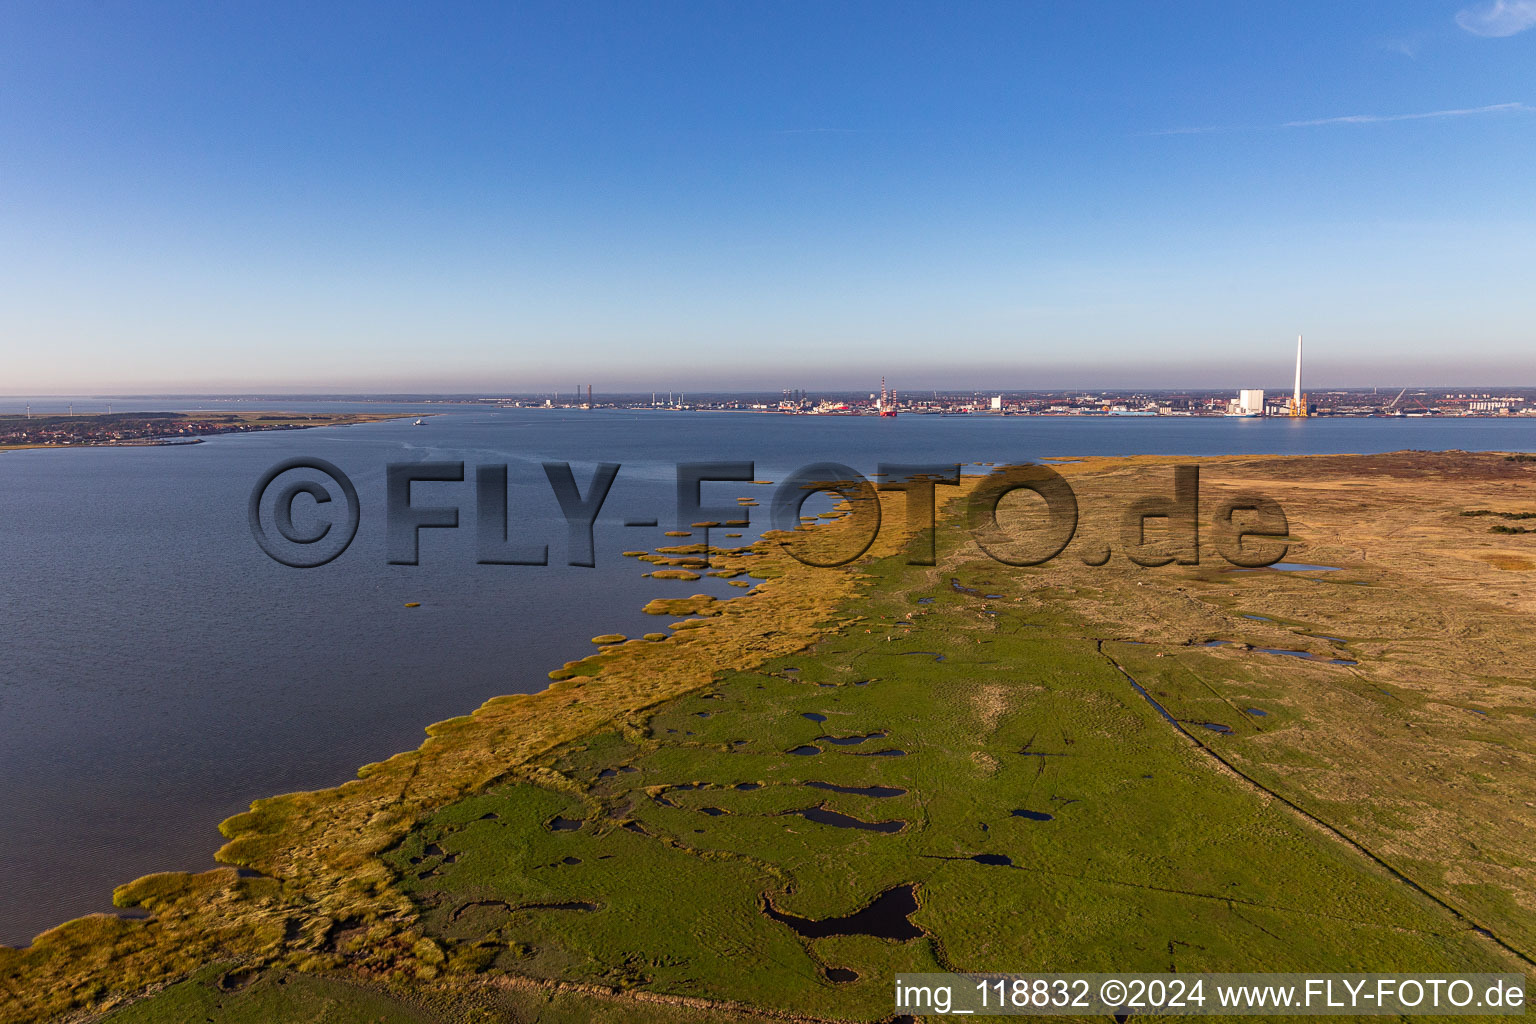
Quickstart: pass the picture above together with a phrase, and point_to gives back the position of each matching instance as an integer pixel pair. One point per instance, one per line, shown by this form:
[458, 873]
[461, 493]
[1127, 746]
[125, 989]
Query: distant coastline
[1406, 403]
[161, 429]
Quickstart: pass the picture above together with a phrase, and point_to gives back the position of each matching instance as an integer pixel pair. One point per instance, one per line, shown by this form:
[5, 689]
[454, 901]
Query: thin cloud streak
[1496, 108]
[1406, 47]
[1430, 115]
[1498, 19]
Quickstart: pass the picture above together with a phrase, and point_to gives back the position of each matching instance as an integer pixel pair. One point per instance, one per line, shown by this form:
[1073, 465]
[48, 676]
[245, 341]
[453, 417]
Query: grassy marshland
[607, 849]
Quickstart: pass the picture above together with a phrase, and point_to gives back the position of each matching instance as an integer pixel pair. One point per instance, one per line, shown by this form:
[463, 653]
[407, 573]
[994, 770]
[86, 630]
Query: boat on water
[419, 423]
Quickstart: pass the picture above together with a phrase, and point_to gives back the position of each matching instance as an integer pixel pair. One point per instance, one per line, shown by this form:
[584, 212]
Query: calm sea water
[158, 671]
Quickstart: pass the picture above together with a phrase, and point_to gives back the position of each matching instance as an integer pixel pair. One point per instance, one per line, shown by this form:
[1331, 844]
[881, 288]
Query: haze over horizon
[755, 196]
[916, 390]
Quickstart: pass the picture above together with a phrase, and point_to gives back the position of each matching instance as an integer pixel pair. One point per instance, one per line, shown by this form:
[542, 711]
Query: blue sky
[761, 195]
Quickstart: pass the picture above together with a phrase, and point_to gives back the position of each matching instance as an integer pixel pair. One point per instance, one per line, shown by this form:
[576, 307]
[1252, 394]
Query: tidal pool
[823, 816]
[886, 917]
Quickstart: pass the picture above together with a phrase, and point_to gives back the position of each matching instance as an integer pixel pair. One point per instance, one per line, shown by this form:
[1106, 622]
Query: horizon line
[619, 392]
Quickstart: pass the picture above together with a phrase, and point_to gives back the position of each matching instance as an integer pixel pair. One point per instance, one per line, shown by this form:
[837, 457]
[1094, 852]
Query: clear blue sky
[739, 194]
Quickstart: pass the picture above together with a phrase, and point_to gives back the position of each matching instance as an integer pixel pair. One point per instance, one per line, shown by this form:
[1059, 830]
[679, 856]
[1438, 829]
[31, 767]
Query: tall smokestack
[1296, 398]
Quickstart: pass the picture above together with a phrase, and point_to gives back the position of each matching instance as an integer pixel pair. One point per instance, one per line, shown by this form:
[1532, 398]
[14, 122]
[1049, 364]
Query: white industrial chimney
[1296, 397]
